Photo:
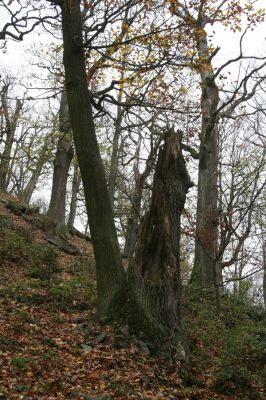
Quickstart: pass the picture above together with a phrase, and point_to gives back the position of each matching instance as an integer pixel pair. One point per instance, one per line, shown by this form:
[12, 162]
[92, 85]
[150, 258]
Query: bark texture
[204, 273]
[154, 275]
[109, 269]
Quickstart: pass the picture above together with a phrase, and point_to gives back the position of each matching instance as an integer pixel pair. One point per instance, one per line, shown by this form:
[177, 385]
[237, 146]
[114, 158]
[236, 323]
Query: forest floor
[53, 347]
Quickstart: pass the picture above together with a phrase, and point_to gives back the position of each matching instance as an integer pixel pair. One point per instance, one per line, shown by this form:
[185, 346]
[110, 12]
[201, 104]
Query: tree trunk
[154, 274]
[204, 272]
[114, 158]
[74, 194]
[31, 185]
[63, 157]
[135, 212]
[264, 271]
[11, 125]
[109, 269]
[151, 297]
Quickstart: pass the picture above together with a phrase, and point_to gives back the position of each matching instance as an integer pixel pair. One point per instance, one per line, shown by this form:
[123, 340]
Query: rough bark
[63, 157]
[154, 274]
[11, 122]
[109, 269]
[204, 273]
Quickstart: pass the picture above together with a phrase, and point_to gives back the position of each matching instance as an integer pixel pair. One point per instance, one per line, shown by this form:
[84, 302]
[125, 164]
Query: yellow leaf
[210, 381]
[102, 385]
[29, 374]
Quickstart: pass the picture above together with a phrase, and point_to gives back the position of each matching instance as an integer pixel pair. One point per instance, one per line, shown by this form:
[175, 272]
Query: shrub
[244, 352]
[20, 363]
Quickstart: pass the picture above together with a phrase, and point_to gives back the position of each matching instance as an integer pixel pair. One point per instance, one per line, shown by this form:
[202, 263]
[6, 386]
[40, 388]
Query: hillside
[52, 346]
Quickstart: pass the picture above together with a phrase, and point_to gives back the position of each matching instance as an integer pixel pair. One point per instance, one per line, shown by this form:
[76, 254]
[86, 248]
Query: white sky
[14, 58]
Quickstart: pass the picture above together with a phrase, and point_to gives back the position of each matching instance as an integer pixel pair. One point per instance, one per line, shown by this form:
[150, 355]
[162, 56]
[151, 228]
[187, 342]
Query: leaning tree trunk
[204, 272]
[154, 274]
[63, 157]
[109, 270]
[11, 125]
[31, 185]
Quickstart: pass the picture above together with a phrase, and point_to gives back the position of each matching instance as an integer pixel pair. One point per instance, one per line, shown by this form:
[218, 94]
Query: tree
[154, 274]
[196, 16]
[76, 182]
[157, 310]
[109, 269]
[11, 120]
[63, 158]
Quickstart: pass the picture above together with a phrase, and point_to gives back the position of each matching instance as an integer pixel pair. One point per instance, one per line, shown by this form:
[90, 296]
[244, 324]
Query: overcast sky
[15, 57]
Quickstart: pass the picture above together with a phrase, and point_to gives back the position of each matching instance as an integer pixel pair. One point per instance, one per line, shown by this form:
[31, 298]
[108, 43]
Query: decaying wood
[154, 273]
[61, 243]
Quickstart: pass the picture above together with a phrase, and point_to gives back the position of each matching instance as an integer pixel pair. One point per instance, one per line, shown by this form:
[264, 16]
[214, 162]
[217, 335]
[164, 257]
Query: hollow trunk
[109, 270]
[63, 157]
[154, 274]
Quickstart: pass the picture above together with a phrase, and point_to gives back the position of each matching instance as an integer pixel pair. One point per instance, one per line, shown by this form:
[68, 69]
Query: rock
[86, 348]
[100, 338]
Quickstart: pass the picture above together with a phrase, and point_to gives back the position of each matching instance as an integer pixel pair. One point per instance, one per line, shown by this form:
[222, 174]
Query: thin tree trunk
[109, 269]
[74, 194]
[134, 216]
[63, 157]
[31, 185]
[114, 158]
[264, 271]
[11, 125]
[135, 213]
[154, 274]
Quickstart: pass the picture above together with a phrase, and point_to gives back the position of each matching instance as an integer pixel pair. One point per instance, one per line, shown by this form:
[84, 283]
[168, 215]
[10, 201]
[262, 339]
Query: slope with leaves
[52, 346]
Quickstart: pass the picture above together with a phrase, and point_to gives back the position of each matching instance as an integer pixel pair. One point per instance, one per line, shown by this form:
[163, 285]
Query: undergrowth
[228, 344]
